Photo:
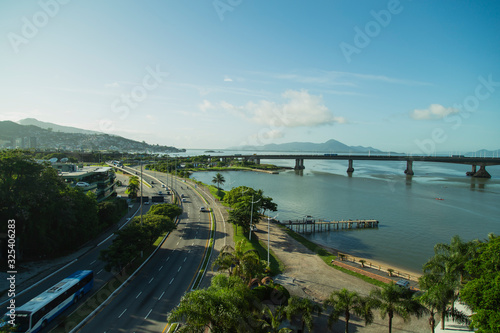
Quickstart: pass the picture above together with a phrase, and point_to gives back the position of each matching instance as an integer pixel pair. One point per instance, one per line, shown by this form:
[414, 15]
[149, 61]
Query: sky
[415, 77]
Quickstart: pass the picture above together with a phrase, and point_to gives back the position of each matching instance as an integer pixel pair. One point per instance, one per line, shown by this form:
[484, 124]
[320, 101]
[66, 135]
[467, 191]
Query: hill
[13, 135]
[55, 127]
[330, 146]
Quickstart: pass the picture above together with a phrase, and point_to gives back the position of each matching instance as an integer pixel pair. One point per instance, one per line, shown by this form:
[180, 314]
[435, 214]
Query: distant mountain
[13, 135]
[55, 127]
[330, 146]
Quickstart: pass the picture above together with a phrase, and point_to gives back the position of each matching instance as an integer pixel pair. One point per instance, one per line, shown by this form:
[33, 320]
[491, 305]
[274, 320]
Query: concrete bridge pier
[299, 164]
[409, 168]
[482, 173]
[473, 172]
[256, 160]
[350, 169]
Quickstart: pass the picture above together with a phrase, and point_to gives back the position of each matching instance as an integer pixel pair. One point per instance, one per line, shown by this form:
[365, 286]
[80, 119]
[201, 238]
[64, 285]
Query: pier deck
[311, 226]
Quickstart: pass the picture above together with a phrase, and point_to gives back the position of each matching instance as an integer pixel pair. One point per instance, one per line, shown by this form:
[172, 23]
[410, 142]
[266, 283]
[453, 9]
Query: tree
[304, 308]
[438, 292]
[271, 322]
[133, 187]
[244, 264]
[166, 209]
[344, 302]
[482, 291]
[218, 179]
[225, 306]
[394, 300]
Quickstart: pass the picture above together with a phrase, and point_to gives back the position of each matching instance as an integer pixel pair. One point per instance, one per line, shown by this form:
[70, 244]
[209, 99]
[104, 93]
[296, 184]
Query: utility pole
[251, 216]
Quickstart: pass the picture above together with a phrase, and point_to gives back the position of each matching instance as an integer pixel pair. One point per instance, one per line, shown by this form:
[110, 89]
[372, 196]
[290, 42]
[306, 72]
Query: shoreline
[382, 266]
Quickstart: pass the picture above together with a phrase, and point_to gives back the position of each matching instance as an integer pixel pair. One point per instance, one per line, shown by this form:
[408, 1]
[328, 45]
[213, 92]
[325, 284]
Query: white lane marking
[159, 269]
[104, 241]
[138, 294]
[185, 259]
[151, 280]
[122, 313]
[167, 259]
[171, 281]
[93, 262]
[163, 293]
[192, 244]
[148, 314]
[99, 272]
[179, 269]
[177, 243]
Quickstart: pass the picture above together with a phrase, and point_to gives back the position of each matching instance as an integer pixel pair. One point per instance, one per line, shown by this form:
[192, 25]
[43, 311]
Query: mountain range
[47, 136]
[330, 146]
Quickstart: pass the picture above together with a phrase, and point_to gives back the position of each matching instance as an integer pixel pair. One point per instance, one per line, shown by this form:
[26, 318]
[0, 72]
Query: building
[100, 180]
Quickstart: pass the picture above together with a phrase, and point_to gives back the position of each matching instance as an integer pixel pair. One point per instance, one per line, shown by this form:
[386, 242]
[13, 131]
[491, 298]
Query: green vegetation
[44, 206]
[138, 236]
[133, 187]
[345, 302]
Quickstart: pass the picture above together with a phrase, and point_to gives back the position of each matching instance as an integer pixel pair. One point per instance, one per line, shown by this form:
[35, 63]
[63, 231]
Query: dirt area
[306, 275]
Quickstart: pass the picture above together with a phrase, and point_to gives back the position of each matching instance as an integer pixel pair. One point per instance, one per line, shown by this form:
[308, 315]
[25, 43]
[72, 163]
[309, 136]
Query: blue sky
[406, 76]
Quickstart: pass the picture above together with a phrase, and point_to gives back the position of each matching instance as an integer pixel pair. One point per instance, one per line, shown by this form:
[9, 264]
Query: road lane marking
[93, 262]
[167, 259]
[163, 293]
[104, 241]
[171, 281]
[148, 314]
[159, 269]
[179, 269]
[138, 294]
[99, 272]
[185, 259]
[151, 280]
[122, 313]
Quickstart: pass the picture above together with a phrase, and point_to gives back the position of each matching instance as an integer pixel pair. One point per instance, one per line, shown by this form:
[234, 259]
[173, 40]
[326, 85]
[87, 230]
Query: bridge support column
[473, 171]
[409, 168]
[350, 169]
[482, 173]
[299, 164]
[257, 161]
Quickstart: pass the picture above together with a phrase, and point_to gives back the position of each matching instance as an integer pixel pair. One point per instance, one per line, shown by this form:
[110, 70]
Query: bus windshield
[21, 321]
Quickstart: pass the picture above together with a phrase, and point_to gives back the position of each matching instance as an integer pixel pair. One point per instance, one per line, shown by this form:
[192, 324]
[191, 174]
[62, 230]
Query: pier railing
[311, 226]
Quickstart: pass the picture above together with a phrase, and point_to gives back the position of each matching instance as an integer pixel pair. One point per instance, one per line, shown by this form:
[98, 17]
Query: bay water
[412, 216]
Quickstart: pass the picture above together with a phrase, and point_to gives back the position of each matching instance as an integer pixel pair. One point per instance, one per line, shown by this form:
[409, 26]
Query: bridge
[474, 162]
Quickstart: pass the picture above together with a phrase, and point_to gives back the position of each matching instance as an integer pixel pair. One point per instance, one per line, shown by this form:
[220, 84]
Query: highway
[143, 305]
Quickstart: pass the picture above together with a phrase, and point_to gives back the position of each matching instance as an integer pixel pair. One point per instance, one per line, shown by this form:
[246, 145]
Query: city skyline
[395, 75]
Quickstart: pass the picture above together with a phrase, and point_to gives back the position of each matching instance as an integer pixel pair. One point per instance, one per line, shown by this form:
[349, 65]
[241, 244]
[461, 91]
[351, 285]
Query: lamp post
[251, 216]
[268, 264]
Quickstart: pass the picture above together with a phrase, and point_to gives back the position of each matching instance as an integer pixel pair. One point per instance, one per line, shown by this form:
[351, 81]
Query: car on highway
[183, 196]
[160, 193]
[203, 209]
[82, 184]
[184, 200]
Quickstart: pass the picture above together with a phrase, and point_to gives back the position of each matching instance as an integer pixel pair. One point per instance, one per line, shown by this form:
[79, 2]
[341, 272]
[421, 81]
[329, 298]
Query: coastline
[380, 265]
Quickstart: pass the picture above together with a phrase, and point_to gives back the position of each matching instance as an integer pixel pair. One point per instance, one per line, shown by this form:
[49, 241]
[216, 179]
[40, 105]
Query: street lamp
[251, 216]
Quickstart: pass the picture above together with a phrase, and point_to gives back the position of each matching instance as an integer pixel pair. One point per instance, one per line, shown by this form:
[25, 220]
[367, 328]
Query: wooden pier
[311, 226]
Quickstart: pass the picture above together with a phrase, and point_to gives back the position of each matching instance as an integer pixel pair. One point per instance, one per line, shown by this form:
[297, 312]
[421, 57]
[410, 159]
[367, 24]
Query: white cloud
[300, 109]
[112, 85]
[205, 105]
[227, 79]
[434, 111]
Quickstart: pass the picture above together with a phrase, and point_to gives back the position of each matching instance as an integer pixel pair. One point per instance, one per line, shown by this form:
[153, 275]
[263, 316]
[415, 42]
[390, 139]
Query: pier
[312, 226]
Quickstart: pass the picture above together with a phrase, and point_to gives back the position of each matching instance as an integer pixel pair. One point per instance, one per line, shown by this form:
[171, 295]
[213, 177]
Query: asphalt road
[143, 305]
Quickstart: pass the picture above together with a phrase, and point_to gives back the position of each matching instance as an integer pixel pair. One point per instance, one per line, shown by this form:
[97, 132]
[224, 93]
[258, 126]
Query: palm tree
[218, 179]
[133, 187]
[245, 264]
[273, 321]
[451, 259]
[439, 293]
[344, 302]
[394, 300]
[304, 308]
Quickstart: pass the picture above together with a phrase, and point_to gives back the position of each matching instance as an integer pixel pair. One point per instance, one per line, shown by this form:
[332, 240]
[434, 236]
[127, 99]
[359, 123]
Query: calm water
[411, 219]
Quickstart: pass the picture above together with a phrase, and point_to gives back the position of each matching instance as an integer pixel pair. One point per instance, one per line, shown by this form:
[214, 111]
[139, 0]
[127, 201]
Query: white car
[403, 283]
[82, 184]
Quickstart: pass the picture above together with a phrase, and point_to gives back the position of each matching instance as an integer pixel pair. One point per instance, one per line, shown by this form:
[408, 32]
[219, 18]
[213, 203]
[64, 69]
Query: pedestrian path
[451, 326]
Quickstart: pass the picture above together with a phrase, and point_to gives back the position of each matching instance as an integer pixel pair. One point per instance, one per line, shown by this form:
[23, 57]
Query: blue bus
[38, 312]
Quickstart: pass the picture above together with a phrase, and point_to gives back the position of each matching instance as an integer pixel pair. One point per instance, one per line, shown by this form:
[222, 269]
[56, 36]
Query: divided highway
[143, 305]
